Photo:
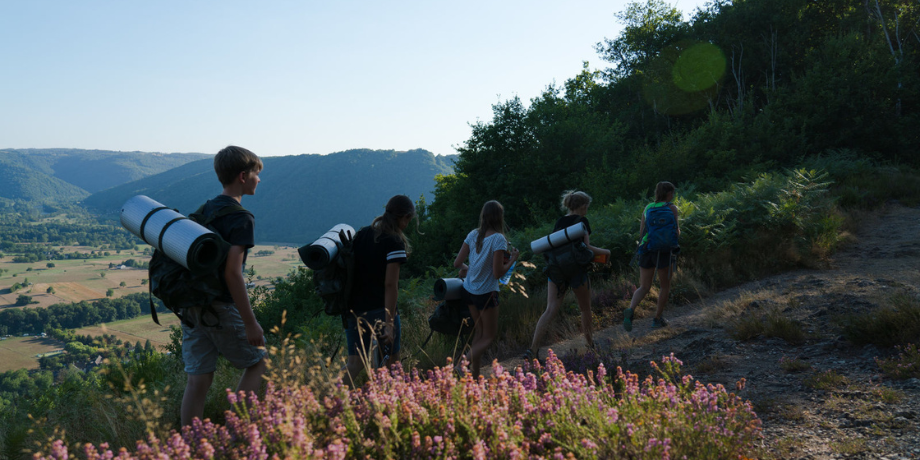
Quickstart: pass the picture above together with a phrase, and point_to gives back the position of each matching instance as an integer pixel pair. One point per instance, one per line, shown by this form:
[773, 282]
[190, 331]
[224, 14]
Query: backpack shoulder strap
[206, 219]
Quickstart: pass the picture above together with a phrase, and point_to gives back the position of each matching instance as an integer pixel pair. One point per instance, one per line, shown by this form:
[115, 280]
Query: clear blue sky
[282, 77]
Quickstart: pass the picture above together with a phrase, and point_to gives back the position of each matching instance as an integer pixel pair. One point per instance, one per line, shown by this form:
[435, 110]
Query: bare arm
[459, 262]
[499, 266]
[390, 294]
[596, 250]
[233, 274]
[642, 227]
[676, 217]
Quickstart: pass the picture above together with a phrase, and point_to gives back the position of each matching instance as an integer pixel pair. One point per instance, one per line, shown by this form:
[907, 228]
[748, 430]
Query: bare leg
[477, 332]
[664, 280]
[488, 329]
[552, 307]
[645, 285]
[196, 391]
[251, 380]
[353, 367]
[583, 296]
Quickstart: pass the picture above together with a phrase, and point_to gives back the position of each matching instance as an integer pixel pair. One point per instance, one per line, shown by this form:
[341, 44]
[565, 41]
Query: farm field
[140, 329]
[89, 279]
[21, 352]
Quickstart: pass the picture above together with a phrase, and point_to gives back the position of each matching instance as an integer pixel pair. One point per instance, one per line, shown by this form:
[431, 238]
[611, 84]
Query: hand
[254, 335]
[514, 253]
[463, 271]
[389, 333]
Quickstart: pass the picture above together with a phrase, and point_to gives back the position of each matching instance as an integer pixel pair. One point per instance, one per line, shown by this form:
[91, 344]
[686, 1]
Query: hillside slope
[300, 196]
[864, 413]
[21, 182]
[89, 170]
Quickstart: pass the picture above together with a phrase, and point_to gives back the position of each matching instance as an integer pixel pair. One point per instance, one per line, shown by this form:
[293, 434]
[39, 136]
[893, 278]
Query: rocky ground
[819, 396]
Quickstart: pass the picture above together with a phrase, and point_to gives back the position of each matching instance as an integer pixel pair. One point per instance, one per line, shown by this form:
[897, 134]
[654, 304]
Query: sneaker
[627, 319]
[528, 355]
[659, 322]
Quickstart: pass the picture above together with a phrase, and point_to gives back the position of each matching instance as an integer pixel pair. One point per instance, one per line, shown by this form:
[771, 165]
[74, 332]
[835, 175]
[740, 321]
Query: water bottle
[507, 276]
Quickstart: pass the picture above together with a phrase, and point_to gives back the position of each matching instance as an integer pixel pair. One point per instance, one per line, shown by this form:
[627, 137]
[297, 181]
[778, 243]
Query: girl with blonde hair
[576, 203]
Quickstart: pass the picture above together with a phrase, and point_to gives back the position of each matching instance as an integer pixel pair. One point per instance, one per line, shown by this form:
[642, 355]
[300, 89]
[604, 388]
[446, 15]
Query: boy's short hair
[232, 160]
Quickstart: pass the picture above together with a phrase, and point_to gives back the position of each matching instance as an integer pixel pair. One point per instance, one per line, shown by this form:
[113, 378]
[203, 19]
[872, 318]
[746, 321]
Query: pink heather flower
[588, 444]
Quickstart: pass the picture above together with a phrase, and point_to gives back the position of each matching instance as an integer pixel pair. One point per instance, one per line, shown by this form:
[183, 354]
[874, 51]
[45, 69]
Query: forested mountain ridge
[72, 174]
[300, 196]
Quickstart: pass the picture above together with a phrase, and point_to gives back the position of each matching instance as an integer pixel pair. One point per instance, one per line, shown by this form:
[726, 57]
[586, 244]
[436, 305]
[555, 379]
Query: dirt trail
[857, 420]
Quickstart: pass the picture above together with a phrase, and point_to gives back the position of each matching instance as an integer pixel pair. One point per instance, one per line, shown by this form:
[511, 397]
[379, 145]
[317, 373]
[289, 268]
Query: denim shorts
[202, 344]
[481, 301]
[376, 319]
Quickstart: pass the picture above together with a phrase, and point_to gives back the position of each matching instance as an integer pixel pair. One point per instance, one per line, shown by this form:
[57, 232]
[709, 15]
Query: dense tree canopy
[742, 88]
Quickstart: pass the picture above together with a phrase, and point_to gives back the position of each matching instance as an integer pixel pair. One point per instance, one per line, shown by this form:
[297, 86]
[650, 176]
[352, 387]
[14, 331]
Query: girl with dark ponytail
[380, 249]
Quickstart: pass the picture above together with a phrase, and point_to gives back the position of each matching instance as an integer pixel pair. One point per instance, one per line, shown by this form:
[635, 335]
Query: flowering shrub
[546, 413]
[904, 366]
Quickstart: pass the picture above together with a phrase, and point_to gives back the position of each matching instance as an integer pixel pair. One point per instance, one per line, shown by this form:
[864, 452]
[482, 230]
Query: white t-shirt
[480, 279]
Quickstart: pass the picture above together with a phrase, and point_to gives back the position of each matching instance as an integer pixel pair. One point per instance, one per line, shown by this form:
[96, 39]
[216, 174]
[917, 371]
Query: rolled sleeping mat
[559, 238]
[319, 253]
[183, 240]
[448, 288]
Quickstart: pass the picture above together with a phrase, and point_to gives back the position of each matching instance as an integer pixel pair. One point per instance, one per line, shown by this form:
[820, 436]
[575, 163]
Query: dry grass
[141, 328]
[80, 279]
[20, 352]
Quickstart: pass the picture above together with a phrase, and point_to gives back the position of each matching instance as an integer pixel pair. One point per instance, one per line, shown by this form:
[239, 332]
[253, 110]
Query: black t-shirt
[236, 228]
[371, 260]
[570, 220]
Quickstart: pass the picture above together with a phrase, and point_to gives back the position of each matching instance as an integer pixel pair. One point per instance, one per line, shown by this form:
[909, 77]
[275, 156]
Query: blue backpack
[661, 228]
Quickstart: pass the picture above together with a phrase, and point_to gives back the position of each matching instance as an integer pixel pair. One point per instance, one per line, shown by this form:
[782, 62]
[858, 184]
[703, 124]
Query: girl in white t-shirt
[486, 248]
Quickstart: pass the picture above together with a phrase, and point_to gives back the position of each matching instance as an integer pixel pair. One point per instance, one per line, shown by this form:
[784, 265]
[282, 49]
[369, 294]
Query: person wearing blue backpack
[658, 249]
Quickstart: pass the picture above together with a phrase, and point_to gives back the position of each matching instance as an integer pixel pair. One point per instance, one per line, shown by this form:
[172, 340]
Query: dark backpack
[661, 228]
[451, 317]
[334, 282]
[564, 262]
[179, 288]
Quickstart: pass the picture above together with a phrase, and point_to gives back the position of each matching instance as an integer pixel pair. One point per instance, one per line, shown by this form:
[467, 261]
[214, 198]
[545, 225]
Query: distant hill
[301, 196]
[19, 181]
[72, 174]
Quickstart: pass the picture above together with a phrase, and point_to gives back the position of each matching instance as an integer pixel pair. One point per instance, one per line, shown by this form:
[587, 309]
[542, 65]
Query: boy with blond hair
[228, 326]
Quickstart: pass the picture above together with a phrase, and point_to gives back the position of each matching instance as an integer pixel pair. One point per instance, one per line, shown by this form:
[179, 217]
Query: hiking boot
[627, 319]
[659, 322]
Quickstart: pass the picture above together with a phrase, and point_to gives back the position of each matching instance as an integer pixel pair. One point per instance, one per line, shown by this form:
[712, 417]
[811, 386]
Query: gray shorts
[202, 344]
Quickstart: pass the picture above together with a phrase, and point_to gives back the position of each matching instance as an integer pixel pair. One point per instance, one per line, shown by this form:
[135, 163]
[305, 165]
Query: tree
[650, 26]
[50, 265]
[122, 284]
[50, 290]
[143, 281]
[102, 274]
[23, 299]
[110, 292]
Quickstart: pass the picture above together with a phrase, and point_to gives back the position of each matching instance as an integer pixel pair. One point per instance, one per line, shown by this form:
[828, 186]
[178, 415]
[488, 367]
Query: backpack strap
[153, 309]
[206, 219]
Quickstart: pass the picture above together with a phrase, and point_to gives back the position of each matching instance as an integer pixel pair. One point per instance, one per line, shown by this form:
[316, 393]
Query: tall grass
[546, 412]
[896, 324]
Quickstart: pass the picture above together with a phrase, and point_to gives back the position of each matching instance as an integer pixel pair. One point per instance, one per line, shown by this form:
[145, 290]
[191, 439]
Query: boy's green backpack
[179, 288]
